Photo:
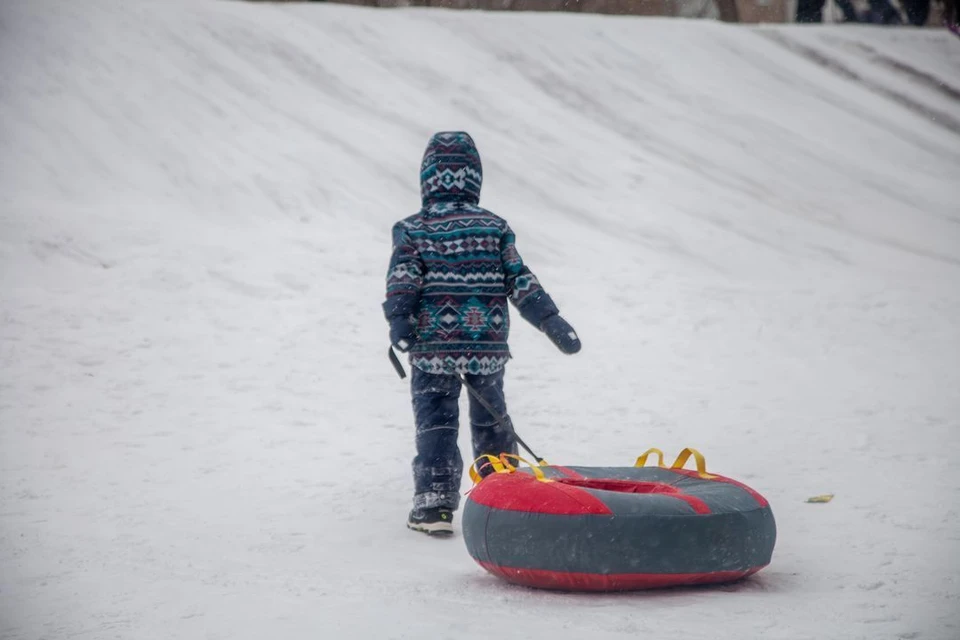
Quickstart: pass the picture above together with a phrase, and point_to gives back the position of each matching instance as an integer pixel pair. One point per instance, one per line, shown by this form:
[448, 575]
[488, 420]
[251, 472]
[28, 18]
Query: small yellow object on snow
[826, 497]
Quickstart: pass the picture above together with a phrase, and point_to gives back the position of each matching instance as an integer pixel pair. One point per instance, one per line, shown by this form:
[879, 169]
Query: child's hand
[403, 334]
[562, 334]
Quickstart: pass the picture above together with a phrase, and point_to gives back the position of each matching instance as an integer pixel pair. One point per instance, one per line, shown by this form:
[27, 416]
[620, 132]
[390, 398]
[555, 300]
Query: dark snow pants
[438, 466]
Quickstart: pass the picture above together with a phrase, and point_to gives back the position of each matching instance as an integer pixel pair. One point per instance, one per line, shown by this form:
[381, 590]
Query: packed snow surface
[755, 230]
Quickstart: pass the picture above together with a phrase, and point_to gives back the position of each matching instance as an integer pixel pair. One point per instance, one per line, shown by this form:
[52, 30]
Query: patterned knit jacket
[455, 265]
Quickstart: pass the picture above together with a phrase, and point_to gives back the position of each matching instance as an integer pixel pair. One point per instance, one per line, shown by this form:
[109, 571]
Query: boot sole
[439, 529]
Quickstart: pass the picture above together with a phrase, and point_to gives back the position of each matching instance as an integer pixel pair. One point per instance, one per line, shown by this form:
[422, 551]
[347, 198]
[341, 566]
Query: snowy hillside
[755, 231]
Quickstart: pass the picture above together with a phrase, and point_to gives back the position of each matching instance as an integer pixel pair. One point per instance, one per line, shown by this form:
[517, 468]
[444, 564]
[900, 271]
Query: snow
[755, 231]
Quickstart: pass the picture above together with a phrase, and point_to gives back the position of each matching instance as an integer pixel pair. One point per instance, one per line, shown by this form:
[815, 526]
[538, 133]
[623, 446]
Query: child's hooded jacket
[455, 265]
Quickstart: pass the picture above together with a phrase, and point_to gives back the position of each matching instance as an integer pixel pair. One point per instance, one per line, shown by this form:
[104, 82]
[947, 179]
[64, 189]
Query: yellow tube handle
[642, 460]
[697, 456]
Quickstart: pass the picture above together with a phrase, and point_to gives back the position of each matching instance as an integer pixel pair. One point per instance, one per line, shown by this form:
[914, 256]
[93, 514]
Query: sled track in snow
[931, 82]
[944, 120]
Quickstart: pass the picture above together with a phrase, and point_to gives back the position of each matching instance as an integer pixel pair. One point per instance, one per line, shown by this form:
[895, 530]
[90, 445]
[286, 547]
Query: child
[453, 268]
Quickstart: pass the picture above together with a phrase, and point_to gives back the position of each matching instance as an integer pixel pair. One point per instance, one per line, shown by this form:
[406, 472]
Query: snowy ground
[755, 230]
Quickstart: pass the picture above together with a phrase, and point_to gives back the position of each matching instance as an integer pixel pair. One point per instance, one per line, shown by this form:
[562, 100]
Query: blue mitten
[561, 334]
[403, 333]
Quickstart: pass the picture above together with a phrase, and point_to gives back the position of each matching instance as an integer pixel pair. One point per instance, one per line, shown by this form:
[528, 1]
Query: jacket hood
[451, 170]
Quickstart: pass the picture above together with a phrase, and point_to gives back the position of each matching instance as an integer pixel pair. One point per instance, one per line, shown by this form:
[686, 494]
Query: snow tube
[616, 528]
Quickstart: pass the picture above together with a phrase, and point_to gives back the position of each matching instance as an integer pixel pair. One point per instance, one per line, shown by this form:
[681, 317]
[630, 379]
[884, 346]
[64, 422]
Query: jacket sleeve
[526, 294]
[404, 276]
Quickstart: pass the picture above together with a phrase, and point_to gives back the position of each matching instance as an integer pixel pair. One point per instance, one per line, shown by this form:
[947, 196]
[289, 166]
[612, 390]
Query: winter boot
[435, 522]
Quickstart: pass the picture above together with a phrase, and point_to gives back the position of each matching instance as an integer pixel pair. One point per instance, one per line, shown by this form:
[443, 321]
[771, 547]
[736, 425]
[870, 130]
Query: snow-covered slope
[755, 230]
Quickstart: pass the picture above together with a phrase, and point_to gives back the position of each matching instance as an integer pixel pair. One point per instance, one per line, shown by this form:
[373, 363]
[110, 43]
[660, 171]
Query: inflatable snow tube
[617, 528]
